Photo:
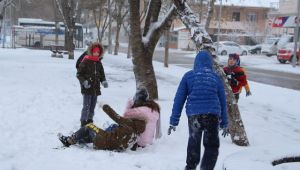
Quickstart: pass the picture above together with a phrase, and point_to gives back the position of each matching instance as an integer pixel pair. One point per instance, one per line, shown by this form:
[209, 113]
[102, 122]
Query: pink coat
[151, 118]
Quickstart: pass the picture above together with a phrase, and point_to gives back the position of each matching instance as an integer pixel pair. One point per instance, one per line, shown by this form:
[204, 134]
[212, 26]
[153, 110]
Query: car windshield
[271, 41]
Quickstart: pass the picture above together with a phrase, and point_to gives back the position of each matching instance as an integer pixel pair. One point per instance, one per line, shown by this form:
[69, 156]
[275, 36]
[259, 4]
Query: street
[276, 78]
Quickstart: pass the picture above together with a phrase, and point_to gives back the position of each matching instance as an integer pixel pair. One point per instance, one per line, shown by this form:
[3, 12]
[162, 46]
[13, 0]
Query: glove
[248, 93]
[171, 128]
[86, 84]
[225, 132]
[229, 76]
[234, 82]
[104, 84]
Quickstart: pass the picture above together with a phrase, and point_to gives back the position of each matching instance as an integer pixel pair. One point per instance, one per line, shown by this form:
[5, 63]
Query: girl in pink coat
[143, 108]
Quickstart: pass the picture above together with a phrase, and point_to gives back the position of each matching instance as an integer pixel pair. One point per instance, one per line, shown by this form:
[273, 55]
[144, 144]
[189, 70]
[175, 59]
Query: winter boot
[65, 140]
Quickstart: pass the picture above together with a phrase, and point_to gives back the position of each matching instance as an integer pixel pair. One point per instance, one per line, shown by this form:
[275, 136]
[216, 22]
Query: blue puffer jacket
[203, 90]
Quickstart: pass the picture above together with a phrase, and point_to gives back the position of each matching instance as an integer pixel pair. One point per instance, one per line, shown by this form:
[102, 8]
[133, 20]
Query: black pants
[237, 97]
[87, 133]
[197, 125]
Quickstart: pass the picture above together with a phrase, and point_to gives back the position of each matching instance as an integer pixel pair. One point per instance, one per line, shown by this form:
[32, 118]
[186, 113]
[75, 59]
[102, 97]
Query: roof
[249, 3]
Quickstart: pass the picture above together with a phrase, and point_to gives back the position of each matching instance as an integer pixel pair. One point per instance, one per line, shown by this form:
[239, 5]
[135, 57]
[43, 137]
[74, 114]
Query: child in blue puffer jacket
[203, 91]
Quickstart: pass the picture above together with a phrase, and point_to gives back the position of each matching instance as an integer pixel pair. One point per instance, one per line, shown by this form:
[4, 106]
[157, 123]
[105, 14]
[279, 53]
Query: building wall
[261, 16]
[288, 7]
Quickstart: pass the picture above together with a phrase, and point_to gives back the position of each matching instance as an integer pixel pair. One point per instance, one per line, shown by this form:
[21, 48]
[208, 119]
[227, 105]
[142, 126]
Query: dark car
[255, 49]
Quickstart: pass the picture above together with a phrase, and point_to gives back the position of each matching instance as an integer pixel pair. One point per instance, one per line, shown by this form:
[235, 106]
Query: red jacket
[237, 78]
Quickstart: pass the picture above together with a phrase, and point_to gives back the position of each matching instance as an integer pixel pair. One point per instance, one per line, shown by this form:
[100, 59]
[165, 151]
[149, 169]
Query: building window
[251, 17]
[235, 16]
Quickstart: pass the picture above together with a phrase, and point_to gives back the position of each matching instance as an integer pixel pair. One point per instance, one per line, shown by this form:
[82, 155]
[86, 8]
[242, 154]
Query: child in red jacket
[236, 76]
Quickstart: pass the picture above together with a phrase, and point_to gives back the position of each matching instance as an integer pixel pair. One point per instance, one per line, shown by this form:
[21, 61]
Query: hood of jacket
[202, 61]
[93, 45]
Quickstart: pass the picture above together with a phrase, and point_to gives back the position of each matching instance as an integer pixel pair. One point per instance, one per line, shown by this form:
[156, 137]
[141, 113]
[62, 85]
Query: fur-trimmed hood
[93, 45]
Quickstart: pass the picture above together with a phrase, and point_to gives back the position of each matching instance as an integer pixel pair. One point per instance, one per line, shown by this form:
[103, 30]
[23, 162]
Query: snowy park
[41, 97]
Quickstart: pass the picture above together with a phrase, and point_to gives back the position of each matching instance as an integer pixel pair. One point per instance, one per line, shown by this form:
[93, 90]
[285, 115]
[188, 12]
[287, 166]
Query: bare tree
[204, 42]
[119, 16]
[100, 18]
[69, 10]
[210, 12]
[4, 5]
[126, 25]
[144, 42]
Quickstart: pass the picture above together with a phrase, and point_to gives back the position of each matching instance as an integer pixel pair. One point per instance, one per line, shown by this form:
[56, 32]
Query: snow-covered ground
[260, 61]
[41, 97]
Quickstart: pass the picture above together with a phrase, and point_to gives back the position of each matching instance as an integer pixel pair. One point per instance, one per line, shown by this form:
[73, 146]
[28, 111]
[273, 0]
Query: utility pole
[296, 38]
[219, 26]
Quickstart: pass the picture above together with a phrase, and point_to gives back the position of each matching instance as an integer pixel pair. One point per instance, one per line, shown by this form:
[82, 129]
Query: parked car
[228, 47]
[285, 53]
[256, 49]
[270, 46]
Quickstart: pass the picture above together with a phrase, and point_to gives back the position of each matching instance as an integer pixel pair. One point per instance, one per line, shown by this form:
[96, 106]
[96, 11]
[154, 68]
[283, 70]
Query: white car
[229, 47]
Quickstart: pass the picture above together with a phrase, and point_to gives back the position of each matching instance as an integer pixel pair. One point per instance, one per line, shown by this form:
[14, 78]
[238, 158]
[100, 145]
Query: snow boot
[65, 140]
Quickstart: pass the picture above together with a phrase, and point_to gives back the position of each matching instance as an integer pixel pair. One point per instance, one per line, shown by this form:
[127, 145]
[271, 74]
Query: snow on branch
[157, 26]
[198, 32]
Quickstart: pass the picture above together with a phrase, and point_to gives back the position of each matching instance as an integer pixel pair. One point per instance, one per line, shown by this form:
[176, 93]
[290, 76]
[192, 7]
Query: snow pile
[41, 97]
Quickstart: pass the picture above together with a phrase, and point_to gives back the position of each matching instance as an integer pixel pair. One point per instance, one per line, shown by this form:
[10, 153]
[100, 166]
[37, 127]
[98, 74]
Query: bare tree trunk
[109, 28]
[204, 42]
[68, 9]
[167, 36]
[142, 50]
[129, 48]
[117, 44]
[210, 13]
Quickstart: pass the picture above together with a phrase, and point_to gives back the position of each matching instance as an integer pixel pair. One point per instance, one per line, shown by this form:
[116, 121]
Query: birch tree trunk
[204, 42]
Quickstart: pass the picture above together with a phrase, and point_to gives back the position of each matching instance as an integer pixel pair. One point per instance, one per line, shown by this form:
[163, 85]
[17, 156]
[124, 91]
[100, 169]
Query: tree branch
[158, 27]
[62, 14]
[148, 18]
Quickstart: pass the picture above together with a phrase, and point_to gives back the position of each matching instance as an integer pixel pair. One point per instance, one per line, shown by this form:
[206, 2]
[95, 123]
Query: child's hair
[149, 103]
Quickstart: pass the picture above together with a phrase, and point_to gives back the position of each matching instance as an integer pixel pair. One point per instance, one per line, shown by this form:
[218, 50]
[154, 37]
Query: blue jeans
[208, 125]
[88, 110]
[84, 135]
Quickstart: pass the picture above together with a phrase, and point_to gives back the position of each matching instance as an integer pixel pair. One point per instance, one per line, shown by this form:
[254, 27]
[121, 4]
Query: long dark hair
[149, 103]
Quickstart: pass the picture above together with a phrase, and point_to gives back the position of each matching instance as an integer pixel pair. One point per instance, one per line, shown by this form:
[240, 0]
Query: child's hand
[105, 84]
[86, 84]
[248, 93]
[101, 104]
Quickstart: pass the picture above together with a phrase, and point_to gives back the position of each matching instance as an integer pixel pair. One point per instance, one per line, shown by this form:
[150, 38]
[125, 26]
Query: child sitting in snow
[90, 74]
[141, 107]
[118, 139]
[236, 76]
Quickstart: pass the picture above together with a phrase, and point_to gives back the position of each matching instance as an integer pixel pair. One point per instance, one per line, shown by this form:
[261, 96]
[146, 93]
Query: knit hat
[96, 49]
[235, 57]
[141, 95]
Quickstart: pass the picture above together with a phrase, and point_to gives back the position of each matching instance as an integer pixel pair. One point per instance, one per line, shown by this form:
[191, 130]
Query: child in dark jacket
[90, 74]
[119, 138]
[236, 76]
[203, 91]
